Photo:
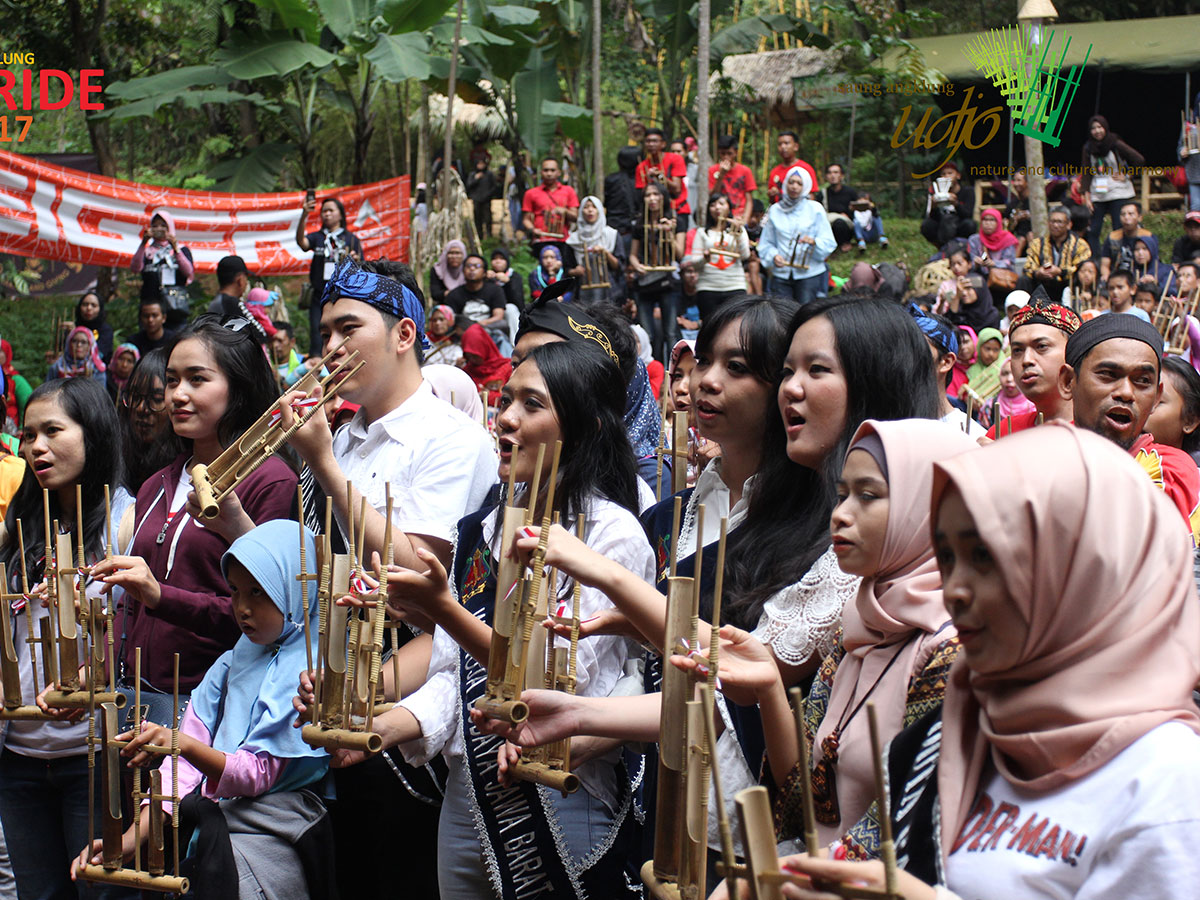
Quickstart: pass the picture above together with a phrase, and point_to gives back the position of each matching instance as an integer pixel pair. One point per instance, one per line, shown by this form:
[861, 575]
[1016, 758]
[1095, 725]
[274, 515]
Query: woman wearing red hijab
[993, 246]
[484, 362]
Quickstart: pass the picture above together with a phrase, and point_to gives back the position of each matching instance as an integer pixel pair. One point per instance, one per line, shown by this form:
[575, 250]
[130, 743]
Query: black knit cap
[1108, 327]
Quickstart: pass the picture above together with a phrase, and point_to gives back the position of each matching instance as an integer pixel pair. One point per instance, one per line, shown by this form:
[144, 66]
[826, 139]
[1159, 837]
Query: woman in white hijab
[593, 237]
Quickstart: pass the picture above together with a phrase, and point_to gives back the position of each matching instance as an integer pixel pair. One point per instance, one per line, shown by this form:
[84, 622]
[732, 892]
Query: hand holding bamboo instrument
[213, 483]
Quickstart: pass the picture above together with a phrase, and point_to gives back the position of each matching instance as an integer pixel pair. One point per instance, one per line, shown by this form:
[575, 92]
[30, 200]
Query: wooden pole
[597, 123]
[451, 86]
[702, 128]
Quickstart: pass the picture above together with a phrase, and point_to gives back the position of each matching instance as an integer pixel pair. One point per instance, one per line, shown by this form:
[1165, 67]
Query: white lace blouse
[799, 623]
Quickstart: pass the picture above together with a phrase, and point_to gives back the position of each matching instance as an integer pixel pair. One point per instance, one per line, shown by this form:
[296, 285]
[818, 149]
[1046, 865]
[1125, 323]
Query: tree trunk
[597, 122]
[423, 144]
[700, 201]
[451, 86]
[406, 148]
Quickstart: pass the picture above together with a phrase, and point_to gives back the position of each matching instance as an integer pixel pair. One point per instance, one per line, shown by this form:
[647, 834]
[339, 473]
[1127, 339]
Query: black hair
[86, 402]
[92, 323]
[754, 566]
[628, 158]
[143, 458]
[1132, 203]
[710, 220]
[548, 158]
[787, 521]
[341, 209]
[1191, 264]
[658, 131]
[239, 357]
[959, 251]
[795, 137]
[588, 394]
[1186, 381]
[726, 142]
[475, 256]
[153, 301]
[757, 206]
[620, 332]
[667, 211]
[1123, 274]
[841, 168]
[285, 327]
[229, 268]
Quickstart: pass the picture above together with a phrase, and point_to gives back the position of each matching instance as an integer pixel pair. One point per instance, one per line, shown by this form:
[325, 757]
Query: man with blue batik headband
[942, 338]
[440, 465]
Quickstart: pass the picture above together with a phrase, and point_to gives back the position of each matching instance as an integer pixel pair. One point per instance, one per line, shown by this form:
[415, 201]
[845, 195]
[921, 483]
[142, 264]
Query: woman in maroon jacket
[218, 382]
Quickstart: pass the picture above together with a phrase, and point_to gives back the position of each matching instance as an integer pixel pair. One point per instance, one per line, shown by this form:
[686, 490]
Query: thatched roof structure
[769, 74]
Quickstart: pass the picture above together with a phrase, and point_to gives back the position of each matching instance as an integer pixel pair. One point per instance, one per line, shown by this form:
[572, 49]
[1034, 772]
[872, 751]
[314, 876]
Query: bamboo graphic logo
[1036, 91]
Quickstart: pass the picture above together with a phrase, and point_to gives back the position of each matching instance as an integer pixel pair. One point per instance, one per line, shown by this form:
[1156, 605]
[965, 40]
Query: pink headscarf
[897, 618]
[1113, 643]
[451, 277]
[69, 367]
[1013, 406]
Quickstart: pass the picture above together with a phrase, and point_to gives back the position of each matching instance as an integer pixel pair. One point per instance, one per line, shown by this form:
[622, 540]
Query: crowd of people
[970, 500]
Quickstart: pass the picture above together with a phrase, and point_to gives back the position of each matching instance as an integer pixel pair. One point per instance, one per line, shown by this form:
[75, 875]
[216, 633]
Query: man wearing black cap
[1187, 247]
[233, 280]
[1112, 376]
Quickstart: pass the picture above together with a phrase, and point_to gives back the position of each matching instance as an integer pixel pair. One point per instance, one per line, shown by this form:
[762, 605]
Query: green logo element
[1038, 94]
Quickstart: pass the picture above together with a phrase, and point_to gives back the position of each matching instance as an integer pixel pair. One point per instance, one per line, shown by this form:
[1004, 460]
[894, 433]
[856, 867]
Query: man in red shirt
[789, 150]
[731, 178]
[668, 168]
[1038, 336]
[1113, 377]
[549, 210]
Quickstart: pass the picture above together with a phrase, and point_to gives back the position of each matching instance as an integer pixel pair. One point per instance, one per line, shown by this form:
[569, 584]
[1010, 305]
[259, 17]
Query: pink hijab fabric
[898, 613]
[1091, 553]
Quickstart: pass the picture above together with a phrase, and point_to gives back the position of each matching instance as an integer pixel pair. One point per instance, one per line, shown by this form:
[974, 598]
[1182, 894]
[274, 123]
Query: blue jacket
[780, 231]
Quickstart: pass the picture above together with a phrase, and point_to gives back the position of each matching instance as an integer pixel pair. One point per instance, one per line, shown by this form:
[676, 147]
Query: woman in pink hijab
[1064, 763]
[161, 259]
[897, 641]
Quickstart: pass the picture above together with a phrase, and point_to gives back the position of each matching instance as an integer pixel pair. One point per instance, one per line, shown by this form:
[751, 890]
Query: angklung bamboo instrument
[687, 748]
[91, 620]
[112, 869]
[1191, 134]
[1170, 318]
[554, 225]
[518, 596]
[350, 643]
[595, 269]
[728, 232]
[801, 253]
[261, 440]
[676, 449]
[14, 703]
[550, 764]
[658, 238]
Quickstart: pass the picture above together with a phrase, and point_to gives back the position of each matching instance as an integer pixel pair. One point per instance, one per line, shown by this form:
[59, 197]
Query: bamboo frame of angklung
[95, 620]
[727, 227]
[556, 224]
[805, 249]
[351, 641]
[595, 269]
[658, 243]
[518, 594]
[213, 482]
[687, 756]
[550, 764]
[758, 829]
[676, 451]
[1170, 318]
[111, 869]
[15, 707]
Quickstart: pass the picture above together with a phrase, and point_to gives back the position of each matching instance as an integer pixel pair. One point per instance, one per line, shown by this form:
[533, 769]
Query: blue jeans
[1096, 235]
[872, 234]
[667, 327]
[43, 808]
[1193, 195]
[801, 290]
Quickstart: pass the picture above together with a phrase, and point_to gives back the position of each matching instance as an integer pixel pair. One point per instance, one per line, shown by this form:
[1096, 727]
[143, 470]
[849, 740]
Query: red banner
[49, 212]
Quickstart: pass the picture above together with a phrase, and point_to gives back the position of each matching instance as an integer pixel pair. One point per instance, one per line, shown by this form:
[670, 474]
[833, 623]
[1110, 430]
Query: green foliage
[255, 172]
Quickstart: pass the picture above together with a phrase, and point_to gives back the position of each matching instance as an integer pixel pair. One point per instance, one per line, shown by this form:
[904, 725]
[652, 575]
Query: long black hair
[667, 211]
[252, 384]
[763, 337]
[710, 220]
[889, 375]
[143, 458]
[1186, 381]
[588, 394]
[92, 323]
[86, 402]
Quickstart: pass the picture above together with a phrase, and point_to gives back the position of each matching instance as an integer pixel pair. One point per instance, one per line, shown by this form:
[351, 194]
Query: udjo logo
[1039, 95]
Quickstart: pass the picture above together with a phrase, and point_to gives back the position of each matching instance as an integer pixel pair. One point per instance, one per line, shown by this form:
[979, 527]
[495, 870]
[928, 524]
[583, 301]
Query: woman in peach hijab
[1066, 759]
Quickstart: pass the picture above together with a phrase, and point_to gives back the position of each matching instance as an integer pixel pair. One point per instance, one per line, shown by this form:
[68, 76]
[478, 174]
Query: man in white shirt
[440, 465]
